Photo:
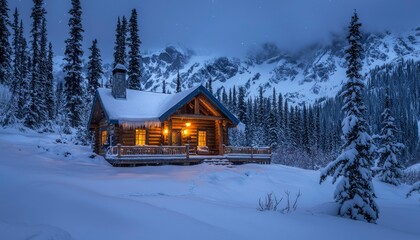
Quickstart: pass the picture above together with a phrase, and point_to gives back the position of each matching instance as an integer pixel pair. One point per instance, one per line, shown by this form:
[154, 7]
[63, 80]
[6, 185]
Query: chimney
[118, 82]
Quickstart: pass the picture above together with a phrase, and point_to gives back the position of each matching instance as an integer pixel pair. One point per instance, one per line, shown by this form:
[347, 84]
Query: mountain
[315, 72]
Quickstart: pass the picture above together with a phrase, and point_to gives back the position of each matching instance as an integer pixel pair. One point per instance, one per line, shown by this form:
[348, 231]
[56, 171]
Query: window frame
[205, 137]
[137, 135]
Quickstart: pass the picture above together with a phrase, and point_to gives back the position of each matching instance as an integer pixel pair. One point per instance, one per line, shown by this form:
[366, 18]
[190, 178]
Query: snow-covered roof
[149, 108]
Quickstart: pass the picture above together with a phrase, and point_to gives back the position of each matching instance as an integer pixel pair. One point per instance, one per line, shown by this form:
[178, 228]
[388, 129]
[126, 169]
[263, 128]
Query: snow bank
[48, 194]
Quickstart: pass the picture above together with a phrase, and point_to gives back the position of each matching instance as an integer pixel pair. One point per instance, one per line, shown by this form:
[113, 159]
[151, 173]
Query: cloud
[225, 26]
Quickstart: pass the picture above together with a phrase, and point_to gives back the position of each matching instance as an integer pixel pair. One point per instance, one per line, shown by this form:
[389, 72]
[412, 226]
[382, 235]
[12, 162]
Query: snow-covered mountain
[312, 73]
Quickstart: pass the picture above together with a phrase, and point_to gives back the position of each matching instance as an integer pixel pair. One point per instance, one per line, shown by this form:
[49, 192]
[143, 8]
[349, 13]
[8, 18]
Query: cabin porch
[159, 155]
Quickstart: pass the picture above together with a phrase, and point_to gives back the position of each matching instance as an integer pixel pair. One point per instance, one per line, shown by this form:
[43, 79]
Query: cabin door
[176, 138]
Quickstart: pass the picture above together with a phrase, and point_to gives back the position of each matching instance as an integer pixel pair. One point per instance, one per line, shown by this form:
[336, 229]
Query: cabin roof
[149, 108]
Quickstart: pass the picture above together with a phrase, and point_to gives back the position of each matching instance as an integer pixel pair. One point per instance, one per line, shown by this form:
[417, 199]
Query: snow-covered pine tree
[73, 89]
[42, 90]
[272, 123]
[164, 86]
[117, 46]
[11, 110]
[286, 129]
[241, 104]
[210, 85]
[225, 100]
[95, 70]
[49, 86]
[34, 116]
[123, 41]
[178, 83]
[305, 129]
[24, 68]
[134, 65]
[390, 169]
[352, 167]
[5, 48]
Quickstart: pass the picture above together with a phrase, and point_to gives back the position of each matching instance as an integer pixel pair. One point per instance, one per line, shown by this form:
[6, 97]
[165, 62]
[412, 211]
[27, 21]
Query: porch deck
[161, 155]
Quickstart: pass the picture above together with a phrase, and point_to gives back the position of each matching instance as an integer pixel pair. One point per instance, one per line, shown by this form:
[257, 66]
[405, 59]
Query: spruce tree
[210, 86]
[272, 124]
[5, 48]
[11, 110]
[164, 86]
[73, 90]
[134, 72]
[95, 70]
[117, 47]
[23, 68]
[241, 104]
[178, 83]
[35, 108]
[390, 168]
[49, 86]
[352, 167]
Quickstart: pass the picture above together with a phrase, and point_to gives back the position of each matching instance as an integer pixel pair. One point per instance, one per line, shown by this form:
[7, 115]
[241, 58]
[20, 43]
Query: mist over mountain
[315, 72]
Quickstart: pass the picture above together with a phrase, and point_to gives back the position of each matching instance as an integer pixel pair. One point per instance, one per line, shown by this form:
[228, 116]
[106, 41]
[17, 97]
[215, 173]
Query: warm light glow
[165, 131]
[185, 131]
[187, 124]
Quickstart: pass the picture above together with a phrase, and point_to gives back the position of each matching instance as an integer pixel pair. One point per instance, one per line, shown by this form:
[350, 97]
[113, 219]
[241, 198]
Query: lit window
[202, 138]
[140, 136]
[104, 135]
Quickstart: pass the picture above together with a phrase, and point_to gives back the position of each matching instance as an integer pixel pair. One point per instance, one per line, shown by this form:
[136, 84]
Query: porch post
[170, 132]
[220, 134]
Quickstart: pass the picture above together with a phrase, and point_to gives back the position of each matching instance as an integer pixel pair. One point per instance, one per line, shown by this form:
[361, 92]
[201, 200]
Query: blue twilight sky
[228, 27]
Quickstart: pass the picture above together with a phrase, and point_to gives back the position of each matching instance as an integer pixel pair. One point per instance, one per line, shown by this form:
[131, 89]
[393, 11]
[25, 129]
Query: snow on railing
[246, 150]
[121, 151]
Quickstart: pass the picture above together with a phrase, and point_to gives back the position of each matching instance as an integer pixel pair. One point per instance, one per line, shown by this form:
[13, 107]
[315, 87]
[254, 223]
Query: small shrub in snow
[271, 203]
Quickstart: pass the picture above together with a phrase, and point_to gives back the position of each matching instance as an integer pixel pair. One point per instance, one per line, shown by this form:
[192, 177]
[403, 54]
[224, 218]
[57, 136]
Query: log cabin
[148, 127]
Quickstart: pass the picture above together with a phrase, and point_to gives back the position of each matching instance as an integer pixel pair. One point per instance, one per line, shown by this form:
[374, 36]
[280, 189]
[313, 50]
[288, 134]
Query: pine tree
[134, 72]
[225, 100]
[42, 90]
[117, 47]
[390, 169]
[11, 110]
[273, 129]
[35, 114]
[210, 87]
[23, 68]
[95, 70]
[178, 83]
[73, 90]
[164, 86]
[5, 49]
[49, 93]
[241, 104]
[352, 167]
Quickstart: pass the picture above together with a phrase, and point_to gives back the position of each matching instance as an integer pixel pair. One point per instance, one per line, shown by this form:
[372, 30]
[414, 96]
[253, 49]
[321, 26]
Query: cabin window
[202, 138]
[104, 135]
[140, 136]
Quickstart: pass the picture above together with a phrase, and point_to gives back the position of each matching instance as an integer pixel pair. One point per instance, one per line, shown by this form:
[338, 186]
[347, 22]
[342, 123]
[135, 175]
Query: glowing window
[140, 136]
[202, 138]
[104, 135]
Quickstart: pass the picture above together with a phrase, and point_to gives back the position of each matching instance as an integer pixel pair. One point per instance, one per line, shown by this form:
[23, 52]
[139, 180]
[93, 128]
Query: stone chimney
[118, 82]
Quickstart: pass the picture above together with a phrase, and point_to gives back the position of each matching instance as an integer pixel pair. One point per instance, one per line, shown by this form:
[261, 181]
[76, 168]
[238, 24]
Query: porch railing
[246, 150]
[121, 151]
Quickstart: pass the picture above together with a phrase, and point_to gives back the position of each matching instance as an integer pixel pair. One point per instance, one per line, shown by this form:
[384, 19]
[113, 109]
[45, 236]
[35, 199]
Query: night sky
[227, 27]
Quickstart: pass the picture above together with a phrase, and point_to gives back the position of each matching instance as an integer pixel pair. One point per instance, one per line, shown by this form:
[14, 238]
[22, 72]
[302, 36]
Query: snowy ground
[45, 195]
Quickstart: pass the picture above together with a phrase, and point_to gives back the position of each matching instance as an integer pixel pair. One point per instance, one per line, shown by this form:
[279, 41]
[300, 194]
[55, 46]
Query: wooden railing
[120, 151]
[246, 150]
